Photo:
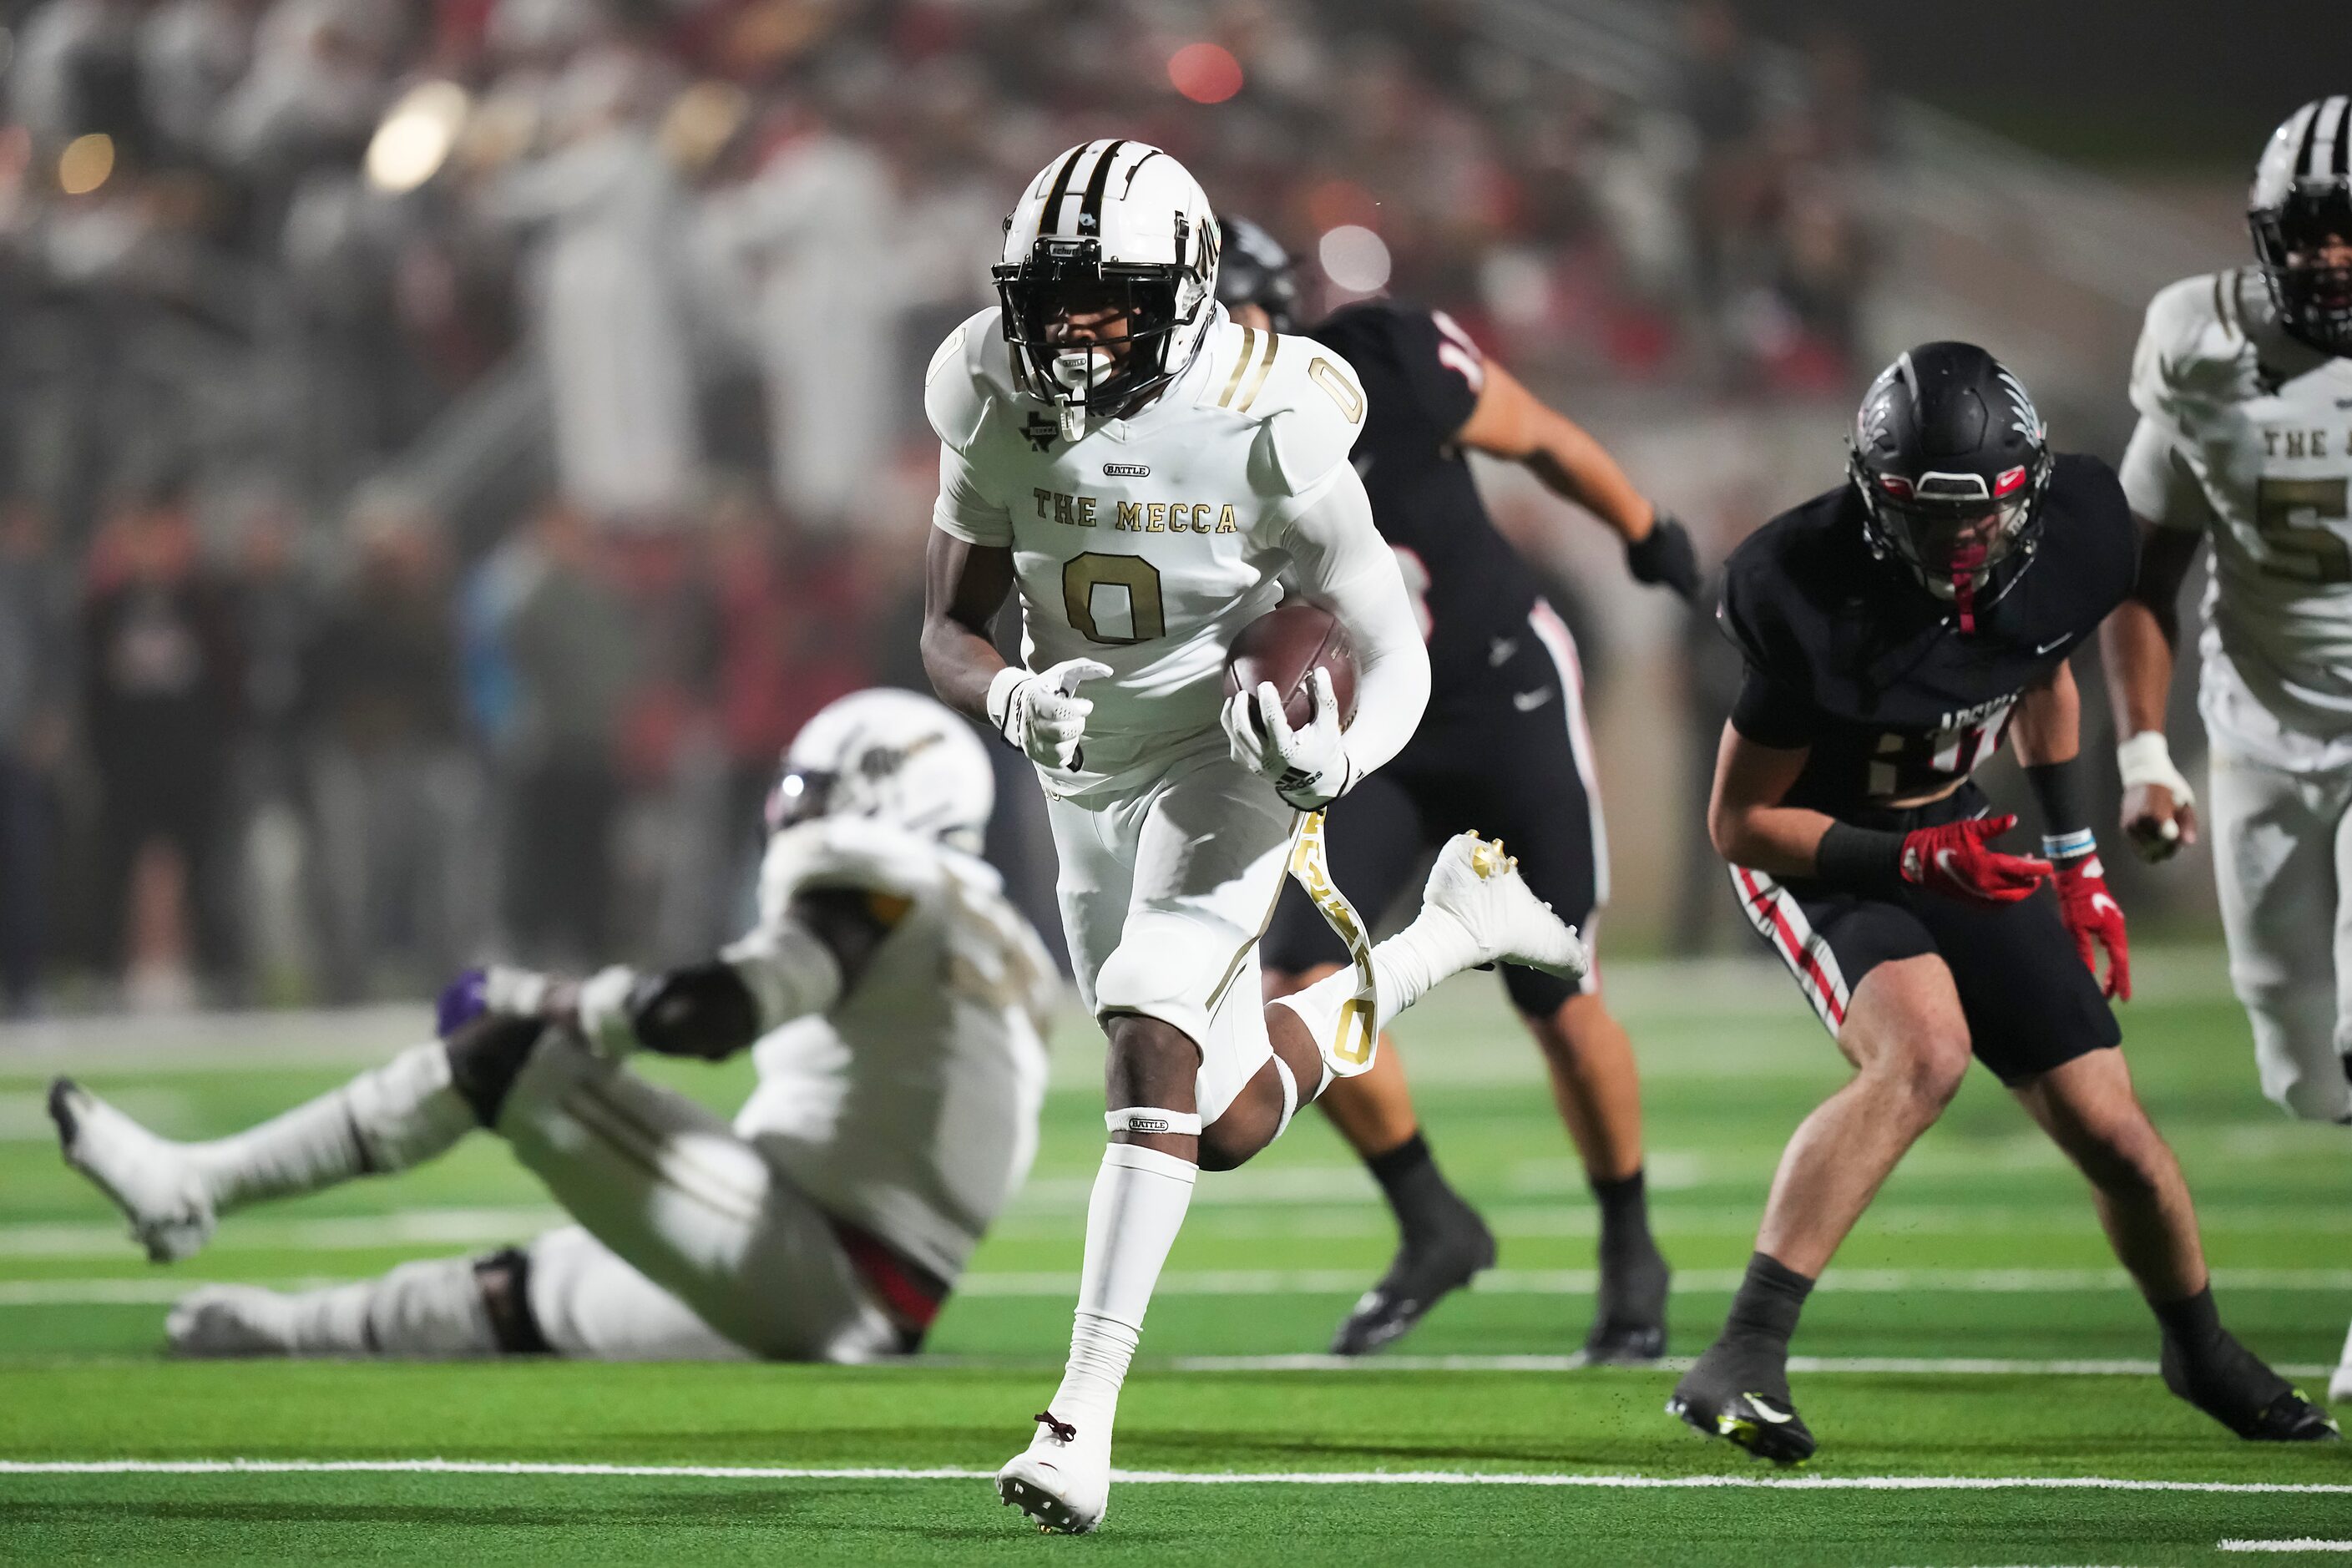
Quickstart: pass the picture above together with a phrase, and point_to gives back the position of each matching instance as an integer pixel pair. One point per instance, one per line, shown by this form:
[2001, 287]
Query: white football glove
[1309, 768]
[1042, 714]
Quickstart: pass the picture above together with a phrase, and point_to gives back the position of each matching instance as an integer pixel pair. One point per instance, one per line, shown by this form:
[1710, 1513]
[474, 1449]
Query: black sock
[1424, 1205]
[2194, 1323]
[1768, 1303]
[1625, 1207]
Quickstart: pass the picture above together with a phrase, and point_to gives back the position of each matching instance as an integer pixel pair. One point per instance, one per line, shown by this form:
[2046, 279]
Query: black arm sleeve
[703, 1010]
[2058, 788]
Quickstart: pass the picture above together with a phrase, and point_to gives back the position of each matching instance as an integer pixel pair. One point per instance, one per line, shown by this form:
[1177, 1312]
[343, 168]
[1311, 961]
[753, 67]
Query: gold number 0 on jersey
[1133, 577]
[2286, 512]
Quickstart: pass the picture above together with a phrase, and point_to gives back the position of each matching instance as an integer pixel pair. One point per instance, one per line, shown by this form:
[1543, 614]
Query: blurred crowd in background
[447, 446]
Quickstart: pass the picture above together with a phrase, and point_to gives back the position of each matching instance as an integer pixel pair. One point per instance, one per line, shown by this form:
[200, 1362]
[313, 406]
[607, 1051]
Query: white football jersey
[910, 1108]
[1149, 542]
[2247, 434]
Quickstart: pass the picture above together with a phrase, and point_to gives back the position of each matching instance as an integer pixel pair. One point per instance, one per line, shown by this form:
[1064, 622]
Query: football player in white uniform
[1153, 477]
[2243, 384]
[892, 999]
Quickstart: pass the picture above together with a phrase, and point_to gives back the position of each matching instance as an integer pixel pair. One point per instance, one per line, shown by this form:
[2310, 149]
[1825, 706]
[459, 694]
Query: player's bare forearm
[1745, 818]
[2138, 642]
[1511, 422]
[2048, 727]
[963, 587]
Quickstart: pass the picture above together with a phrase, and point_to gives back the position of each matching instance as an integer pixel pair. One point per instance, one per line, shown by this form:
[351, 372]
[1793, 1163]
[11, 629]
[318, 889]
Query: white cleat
[1062, 1481]
[1480, 886]
[148, 1178]
[231, 1320]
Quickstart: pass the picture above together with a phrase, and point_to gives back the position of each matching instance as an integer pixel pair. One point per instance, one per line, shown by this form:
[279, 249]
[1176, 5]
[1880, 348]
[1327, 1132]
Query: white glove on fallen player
[1309, 767]
[1042, 714]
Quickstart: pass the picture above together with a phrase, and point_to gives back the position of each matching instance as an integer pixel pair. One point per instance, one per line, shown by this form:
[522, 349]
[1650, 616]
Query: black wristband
[1863, 858]
[2058, 789]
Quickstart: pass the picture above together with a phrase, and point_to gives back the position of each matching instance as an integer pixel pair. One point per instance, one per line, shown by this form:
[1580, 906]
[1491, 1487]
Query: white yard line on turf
[2300, 1543]
[1264, 1219]
[1927, 1367]
[1582, 1281]
[1170, 1477]
[1349, 1281]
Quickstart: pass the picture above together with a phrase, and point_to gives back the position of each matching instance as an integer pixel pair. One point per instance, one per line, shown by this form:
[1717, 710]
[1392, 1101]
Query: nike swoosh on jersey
[2045, 647]
[1528, 701]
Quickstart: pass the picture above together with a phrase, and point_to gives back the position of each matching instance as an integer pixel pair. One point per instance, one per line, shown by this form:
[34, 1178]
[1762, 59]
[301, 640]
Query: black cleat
[61, 1110]
[2237, 1388]
[1629, 1321]
[1424, 1273]
[1741, 1393]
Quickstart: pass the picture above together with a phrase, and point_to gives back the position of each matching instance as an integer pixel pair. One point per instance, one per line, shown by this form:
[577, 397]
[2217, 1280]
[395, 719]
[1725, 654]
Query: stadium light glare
[1355, 258]
[413, 141]
[86, 163]
[1205, 73]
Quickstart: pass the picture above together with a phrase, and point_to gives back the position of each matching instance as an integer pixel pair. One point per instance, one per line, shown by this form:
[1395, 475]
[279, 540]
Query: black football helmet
[1257, 270]
[1952, 461]
[2300, 211]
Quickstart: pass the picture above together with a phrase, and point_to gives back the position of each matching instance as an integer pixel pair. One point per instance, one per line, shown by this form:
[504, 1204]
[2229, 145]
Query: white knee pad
[407, 1110]
[1171, 969]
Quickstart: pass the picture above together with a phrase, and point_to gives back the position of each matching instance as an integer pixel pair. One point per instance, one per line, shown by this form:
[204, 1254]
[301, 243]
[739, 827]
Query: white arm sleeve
[2157, 480]
[1340, 561]
[788, 971]
[963, 510]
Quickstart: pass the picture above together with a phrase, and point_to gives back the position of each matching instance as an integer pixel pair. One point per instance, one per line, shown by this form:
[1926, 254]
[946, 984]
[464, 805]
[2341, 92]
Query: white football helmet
[1118, 229]
[2300, 210]
[890, 755]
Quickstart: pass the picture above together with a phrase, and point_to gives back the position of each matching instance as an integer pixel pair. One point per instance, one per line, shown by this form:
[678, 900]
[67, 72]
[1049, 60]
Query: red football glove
[1951, 859]
[2091, 913]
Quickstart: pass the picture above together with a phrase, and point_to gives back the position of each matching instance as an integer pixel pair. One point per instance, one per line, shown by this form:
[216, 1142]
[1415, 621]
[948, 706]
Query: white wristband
[513, 992]
[604, 1018]
[2146, 758]
[1000, 698]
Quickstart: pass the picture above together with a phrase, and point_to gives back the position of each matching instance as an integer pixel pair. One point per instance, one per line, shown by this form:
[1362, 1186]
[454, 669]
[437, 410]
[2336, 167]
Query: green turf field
[1974, 1331]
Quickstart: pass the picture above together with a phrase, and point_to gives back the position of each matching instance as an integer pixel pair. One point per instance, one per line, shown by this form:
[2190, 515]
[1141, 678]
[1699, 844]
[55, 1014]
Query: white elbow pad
[788, 972]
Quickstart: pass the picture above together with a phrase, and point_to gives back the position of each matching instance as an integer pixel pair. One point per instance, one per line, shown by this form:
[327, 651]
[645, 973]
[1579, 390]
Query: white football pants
[2283, 860]
[1164, 895]
[689, 1244]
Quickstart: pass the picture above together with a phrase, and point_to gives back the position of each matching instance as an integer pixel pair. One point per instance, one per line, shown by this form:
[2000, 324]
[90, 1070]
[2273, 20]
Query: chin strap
[1968, 568]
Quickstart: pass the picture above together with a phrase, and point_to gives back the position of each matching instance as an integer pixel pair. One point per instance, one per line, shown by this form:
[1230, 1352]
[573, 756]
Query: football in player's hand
[1286, 646]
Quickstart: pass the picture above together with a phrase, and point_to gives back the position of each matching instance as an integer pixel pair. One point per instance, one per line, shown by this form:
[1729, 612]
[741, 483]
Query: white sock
[1406, 966]
[1138, 1206]
[1435, 947]
[429, 1309]
[387, 1120]
[2347, 1350]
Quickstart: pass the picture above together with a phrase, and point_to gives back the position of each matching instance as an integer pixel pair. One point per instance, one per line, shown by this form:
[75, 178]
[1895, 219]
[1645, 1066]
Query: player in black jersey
[1502, 748]
[1896, 630]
